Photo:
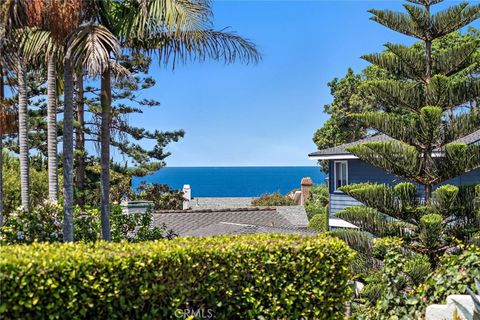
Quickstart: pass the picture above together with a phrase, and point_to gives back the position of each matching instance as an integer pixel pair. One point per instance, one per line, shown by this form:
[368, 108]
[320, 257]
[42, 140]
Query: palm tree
[14, 16]
[52, 128]
[179, 33]
[23, 133]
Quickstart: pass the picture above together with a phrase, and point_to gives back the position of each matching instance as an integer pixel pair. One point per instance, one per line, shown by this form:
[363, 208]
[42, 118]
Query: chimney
[187, 196]
[306, 184]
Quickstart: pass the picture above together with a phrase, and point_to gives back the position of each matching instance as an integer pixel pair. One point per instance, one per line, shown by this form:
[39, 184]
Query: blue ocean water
[234, 181]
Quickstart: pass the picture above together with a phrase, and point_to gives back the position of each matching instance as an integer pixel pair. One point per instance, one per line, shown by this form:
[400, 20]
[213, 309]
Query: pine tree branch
[395, 157]
[453, 18]
[398, 94]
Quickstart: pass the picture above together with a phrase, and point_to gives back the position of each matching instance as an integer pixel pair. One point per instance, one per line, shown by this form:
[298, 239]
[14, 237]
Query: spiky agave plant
[475, 315]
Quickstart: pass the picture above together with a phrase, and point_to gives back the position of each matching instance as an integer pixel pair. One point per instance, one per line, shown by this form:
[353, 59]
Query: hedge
[228, 277]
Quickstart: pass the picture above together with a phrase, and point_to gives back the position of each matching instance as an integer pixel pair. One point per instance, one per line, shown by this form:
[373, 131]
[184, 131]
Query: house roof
[340, 152]
[226, 221]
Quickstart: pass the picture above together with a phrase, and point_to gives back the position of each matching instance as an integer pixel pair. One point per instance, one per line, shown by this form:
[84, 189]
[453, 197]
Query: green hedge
[236, 277]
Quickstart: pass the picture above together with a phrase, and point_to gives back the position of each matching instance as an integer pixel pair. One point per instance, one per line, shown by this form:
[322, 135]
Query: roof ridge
[216, 210]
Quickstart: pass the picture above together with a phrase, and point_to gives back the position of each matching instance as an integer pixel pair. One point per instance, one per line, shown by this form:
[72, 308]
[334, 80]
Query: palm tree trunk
[105, 101]
[80, 143]
[52, 130]
[23, 135]
[2, 96]
[68, 152]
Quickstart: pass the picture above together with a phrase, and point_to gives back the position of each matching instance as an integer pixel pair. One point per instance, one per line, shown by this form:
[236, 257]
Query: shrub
[44, 224]
[229, 277]
[455, 274]
[319, 222]
[136, 226]
[11, 184]
[317, 201]
[161, 195]
[273, 199]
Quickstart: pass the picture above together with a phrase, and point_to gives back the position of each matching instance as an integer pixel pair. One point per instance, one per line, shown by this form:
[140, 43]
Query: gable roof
[226, 221]
[340, 152]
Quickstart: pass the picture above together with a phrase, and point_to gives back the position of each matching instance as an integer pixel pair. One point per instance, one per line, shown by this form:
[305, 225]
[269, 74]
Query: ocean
[233, 181]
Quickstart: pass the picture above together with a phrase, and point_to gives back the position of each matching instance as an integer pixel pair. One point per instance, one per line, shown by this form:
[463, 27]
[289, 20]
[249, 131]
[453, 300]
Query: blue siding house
[346, 168]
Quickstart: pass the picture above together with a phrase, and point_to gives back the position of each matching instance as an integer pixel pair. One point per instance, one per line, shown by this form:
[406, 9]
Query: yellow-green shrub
[230, 277]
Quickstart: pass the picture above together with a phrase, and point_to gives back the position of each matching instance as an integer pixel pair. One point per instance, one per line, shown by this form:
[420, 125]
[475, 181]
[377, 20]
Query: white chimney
[187, 196]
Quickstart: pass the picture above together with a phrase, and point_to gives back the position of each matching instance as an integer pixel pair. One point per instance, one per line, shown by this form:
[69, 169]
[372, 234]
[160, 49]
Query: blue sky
[265, 114]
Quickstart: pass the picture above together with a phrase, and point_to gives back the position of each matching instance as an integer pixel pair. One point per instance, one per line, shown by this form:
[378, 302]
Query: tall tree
[52, 128]
[426, 88]
[23, 132]
[428, 99]
[179, 32]
[351, 95]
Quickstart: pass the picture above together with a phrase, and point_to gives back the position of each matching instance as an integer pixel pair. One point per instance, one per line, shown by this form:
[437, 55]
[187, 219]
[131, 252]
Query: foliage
[86, 224]
[319, 222]
[233, 277]
[429, 228]
[135, 227]
[475, 315]
[273, 199]
[44, 224]
[351, 94]
[11, 183]
[317, 201]
[455, 274]
[161, 195]
[416, 288]
[388, 291]
[348, 97]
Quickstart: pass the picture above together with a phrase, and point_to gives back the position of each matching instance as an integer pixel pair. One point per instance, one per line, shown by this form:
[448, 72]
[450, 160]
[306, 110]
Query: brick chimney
[305, 189]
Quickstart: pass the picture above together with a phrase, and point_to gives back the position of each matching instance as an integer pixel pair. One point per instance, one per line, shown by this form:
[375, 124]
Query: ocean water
[233, 181]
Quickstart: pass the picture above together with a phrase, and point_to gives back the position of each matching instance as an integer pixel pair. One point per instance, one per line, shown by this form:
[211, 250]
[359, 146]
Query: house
[345, 168]
[233, 221]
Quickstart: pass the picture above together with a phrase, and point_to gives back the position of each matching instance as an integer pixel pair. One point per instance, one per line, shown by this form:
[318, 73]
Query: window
[340, 174]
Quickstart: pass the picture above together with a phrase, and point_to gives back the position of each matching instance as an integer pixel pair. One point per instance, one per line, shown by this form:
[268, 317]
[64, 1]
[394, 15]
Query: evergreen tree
[426, 108]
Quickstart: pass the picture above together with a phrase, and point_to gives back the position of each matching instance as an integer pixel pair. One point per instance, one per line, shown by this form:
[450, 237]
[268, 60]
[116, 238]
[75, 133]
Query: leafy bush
[161, 195]
[44, 224]
[273, 199]
[136, 226]
[455, 274]
[319, 222]
[317, 201]
[11, 184]
[229, 277]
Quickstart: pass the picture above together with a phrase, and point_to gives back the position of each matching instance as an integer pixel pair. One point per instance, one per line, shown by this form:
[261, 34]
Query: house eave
[332, 157]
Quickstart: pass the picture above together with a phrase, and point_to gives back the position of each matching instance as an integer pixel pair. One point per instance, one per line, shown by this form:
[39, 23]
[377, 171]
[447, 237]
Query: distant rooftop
[209, 222]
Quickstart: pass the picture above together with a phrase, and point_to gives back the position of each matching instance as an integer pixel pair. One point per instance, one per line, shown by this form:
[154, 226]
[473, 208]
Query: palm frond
[37, 45]
[92, 47]
[142, 19]
[199, 45]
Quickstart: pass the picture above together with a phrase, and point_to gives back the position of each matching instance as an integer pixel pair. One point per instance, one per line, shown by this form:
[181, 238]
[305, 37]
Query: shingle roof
[342, 149]
[225, 221]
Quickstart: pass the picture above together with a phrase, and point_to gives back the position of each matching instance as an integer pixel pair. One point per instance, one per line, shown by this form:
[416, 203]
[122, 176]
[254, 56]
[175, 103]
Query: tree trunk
[80, 143]
[105, 101]
[23, 135]
[2, 96]
[52, 130]
[427, 154]
[68, 152]
[428, 49]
